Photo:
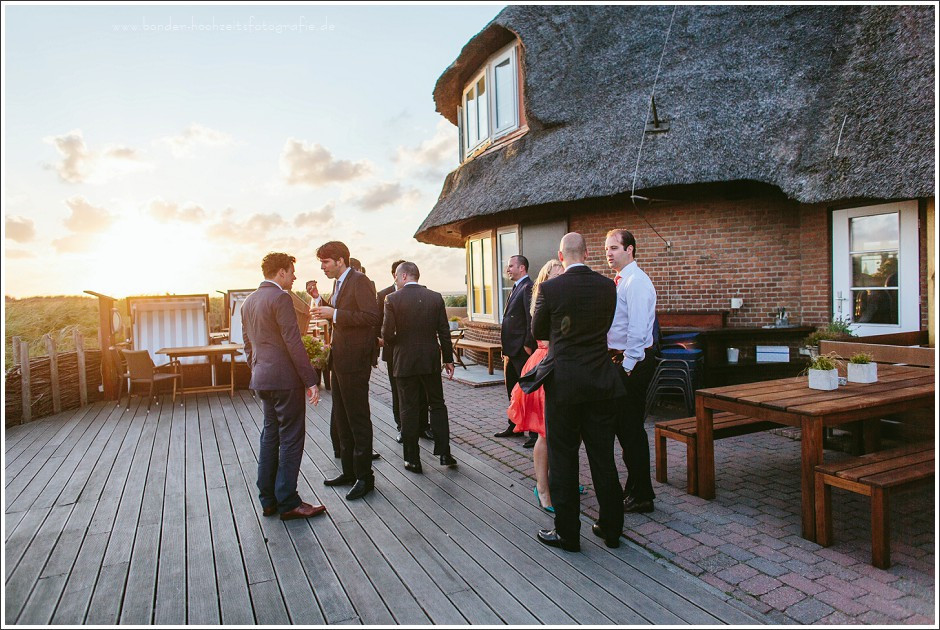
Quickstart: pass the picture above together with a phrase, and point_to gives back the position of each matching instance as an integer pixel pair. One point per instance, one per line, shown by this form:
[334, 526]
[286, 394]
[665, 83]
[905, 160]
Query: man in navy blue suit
[516, 332]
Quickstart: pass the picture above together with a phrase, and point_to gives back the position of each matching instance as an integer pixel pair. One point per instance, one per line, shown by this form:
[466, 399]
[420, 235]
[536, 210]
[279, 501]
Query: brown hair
[274, 262]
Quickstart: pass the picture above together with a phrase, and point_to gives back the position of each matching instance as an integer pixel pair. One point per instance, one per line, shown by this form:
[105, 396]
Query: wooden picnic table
[790, 401]
[212, 351]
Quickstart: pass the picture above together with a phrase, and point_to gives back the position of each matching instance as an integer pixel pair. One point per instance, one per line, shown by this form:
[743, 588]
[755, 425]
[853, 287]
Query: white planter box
[863, 372]
[825, 380]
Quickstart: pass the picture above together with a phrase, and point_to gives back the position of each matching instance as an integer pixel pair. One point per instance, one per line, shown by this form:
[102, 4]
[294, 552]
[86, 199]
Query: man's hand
[324, 312]
[449, 369]
[312, 289]
[528, 350]
[381, 342]
[313, 395]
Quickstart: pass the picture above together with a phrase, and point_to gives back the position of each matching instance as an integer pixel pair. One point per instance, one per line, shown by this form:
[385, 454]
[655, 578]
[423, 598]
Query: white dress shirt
[632, 328]
[339, 284]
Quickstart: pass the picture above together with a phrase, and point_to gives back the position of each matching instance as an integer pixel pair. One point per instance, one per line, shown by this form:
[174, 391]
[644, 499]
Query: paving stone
[737, 574]
[890, 608]
[802, 583]
[808, 611]
[680, 545]
[769, 554]
[717, 562]
[759, 584]
[838, 618]
[842, 602]
[783, 597]
[768, 567]
[682, 527]
[736, 552]
[922, 620]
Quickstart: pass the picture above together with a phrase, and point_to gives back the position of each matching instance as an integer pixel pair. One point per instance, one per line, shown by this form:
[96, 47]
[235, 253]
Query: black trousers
[566, 427]
[396, 404]
[631, 432]
[353, 421]
[411, 392]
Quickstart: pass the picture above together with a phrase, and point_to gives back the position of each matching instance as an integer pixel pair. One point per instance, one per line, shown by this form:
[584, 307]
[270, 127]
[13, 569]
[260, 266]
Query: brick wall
[769, 252]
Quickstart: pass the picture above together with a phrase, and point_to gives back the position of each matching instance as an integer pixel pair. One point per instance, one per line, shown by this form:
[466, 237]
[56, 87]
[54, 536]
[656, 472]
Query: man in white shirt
[630, 340]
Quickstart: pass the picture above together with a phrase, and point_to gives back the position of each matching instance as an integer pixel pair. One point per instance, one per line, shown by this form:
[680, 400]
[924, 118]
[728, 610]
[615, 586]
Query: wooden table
[213, 352]
[790, 401]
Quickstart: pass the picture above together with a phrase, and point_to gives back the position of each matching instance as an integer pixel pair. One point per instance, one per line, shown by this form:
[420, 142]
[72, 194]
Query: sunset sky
[166, 149]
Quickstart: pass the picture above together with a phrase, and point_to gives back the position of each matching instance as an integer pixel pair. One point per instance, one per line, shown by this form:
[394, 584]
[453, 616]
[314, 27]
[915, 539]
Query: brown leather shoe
[270, 511]
[304, 510]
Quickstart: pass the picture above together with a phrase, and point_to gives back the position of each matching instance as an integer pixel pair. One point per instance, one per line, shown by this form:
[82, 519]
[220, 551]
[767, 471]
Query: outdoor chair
[140, 369]
[120, 370]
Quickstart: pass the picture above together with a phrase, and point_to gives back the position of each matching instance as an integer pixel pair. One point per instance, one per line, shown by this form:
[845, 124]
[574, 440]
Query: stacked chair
[678, 370]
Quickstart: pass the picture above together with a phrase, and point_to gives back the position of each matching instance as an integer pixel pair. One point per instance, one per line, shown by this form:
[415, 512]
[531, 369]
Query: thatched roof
[751, 93]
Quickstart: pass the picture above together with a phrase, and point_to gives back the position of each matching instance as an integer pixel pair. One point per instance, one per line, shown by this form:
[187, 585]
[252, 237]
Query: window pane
[473, 134]
[486, 277]
[482, 109]
[875, 306]
[476, 273]
[877, 269]
[505, 107]
[871, 233]
[508, 247]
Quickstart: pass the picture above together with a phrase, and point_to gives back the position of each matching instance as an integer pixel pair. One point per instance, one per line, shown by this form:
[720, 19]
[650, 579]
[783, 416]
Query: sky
[166, 149]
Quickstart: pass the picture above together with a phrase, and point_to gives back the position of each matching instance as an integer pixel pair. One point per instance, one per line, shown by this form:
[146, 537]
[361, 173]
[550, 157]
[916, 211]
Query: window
[508, 247]
[480, 251]
[490, 104]
[875, 268]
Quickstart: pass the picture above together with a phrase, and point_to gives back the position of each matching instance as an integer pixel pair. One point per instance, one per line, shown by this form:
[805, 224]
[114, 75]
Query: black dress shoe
[427, 434]
[611, 542]
[511, 431]
[376, 455]
[415, 468]
[270, 511]
[336, 454]
[551, 538]
[361, 488]
[448, 460]
[398, 438]
[638, 507]
[342, 480]
[530, 442]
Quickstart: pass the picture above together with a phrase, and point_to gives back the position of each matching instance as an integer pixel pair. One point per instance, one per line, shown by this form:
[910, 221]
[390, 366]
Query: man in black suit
[354, 314]
[280, 370]
[516, 332]
[582, 392]
[415, 324]
[388, 356]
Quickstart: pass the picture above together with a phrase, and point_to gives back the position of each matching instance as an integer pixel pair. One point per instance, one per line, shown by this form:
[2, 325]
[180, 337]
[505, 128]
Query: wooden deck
[136, 518]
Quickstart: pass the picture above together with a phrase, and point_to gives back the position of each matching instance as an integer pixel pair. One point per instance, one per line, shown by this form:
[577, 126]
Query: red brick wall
[769, 252]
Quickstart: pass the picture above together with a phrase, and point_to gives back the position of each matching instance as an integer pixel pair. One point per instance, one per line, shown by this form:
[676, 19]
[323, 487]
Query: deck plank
[170, 601]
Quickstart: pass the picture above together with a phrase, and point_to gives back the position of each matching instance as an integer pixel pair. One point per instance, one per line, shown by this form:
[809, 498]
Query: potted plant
[823, 372]
[836, 330]
[862, 368]
[317, 351]
[454, 323]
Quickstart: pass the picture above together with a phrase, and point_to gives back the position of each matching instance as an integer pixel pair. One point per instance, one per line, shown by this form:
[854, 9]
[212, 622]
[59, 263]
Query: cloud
[433, 158]
[79, 164]
[167, 211]
[18, 253]
[253, 229]
[73, 243]
[86, 218]
[383, 194]
[317, 218]
[313, 165]
[20, 229]
[194, 136]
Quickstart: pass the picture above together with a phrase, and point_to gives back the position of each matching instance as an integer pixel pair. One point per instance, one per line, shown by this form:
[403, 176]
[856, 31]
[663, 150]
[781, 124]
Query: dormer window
[490, 104]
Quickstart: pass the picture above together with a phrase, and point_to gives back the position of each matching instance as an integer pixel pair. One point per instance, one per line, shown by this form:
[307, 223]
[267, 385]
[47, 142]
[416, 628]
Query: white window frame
[908, 267]
[501, 279]
[488, 71]
[471, 303]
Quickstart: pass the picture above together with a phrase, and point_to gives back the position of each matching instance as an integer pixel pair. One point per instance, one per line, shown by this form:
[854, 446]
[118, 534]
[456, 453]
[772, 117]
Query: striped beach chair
[169, 321]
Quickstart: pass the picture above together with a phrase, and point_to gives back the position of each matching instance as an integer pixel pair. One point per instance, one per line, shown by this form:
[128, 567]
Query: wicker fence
[51, 383]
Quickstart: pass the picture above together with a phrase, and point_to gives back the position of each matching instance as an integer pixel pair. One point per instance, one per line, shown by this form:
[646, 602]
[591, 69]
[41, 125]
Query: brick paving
[747, 541]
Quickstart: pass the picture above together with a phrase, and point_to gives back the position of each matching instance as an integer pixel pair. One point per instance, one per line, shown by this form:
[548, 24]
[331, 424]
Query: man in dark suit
[416, 324]
[280, 370]
[516, 332]
[354, 314]
[582, 392]
[388, 356]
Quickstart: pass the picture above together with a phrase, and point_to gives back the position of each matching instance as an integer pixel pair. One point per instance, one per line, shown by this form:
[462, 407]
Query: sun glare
[147, 257]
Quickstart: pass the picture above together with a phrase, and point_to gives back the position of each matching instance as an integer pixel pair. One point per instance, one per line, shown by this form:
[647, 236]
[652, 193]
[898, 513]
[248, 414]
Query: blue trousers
[282, 448]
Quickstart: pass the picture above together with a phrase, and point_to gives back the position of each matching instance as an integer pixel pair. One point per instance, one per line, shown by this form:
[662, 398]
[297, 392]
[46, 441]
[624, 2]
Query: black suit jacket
[275, 353]
[380, 301]
[416, 325]
[353, 342]
[516, 330]
[574, 312]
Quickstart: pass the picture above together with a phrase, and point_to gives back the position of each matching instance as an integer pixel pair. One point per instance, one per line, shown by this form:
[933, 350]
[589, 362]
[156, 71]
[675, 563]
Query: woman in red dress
[527, 411]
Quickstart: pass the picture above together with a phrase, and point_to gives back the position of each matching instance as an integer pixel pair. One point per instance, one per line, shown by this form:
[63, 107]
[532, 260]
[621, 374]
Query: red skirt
[527, 411]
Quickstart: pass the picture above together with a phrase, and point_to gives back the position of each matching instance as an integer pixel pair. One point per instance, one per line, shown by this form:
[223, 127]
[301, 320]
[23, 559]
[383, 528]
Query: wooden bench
[684, 430]
[483, 346]
[875, 475]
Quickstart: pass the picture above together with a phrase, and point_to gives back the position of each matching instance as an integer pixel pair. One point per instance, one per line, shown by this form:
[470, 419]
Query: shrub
[455, 300]
[861, 358]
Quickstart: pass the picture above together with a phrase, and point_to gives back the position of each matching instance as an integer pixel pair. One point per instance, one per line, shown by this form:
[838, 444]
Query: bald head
[572, 249]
